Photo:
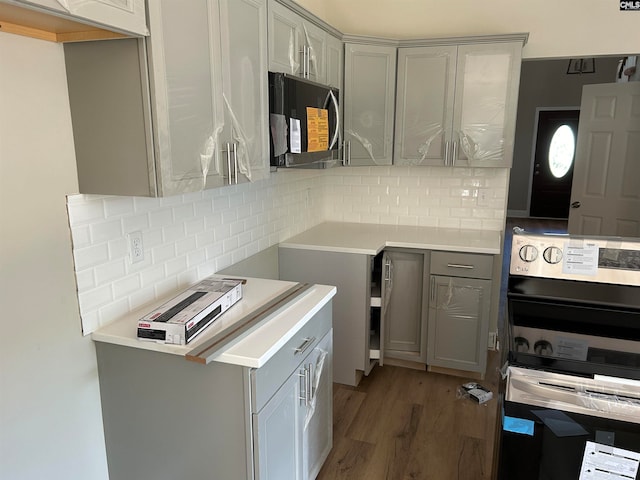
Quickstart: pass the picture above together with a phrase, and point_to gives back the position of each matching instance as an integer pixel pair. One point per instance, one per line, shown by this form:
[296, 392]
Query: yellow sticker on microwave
[317, 129]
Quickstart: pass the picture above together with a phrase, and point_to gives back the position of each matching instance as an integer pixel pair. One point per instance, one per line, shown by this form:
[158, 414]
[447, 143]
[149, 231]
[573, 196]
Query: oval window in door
[561, 150]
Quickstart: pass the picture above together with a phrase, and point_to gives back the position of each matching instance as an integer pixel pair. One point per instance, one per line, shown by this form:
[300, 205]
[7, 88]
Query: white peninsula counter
[250, 408]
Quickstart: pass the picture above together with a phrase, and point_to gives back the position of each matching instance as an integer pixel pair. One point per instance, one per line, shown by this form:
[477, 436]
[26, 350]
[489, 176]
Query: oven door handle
[576, 398]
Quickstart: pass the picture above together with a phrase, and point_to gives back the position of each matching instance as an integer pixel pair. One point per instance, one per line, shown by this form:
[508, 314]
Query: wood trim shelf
[49, 27]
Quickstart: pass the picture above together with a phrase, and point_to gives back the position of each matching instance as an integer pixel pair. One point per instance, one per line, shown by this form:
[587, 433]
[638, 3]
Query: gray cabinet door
[278, 434]
[404, 308]
[487, 83]
[284, 40]
[351, 274]
[296, 46]
[369, 103]
[245, 91]
[424, 104]
[456, 105]
[318, 414]
[335, 62]
[186, 90]
[458, 322]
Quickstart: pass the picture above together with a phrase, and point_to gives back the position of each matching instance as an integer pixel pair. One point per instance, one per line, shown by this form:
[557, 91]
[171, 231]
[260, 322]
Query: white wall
[50, 422]
[556, 28]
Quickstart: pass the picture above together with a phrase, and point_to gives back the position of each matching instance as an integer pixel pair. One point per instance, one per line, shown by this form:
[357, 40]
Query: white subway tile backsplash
[188, 237]
[115, 206]
[124, 287]
[115, 309]
[105, 231]
[95, 298]
[91, 256]
[108, 272]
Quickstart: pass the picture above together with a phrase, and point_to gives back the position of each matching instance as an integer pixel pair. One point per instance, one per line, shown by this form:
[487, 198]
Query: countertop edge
[276, 330]
[227, 356]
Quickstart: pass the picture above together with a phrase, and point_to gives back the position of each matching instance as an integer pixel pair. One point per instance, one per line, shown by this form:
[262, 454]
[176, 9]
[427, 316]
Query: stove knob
[552, 255]
[528, 253]
[544, 348]
[521, 344]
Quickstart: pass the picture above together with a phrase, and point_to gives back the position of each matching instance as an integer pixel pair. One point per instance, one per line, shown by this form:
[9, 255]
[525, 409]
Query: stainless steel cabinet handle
[459, 265]
[454, 154]
[235, 163]
[312, 380]
[433, 289]
[306, 344]
[387, 273]
[446, 153]
[229, 164]
[304, 395]
[346, 153]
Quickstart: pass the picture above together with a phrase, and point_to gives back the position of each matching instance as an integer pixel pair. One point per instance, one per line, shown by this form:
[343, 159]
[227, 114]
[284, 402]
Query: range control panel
[591, 259]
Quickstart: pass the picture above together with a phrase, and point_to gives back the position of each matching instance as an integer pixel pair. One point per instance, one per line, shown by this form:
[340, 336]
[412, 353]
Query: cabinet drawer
[265, 381]
[472, 265]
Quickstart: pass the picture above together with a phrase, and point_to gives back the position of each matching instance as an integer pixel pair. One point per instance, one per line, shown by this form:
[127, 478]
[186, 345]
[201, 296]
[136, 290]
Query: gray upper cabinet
[296, 45]
[245, 89]
[335, 62]
[183, 111]
[369, 98]
[125, 16]
[456, 105]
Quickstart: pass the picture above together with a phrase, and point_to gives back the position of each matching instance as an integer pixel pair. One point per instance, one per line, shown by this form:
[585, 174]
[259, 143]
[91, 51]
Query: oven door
[550, 419]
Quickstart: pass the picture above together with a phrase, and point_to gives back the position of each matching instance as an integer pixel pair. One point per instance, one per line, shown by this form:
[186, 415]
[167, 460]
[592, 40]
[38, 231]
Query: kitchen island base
[166, 417]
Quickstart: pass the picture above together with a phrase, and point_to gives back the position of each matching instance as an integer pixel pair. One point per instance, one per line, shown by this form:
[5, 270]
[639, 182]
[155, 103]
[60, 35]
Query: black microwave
[304, 122]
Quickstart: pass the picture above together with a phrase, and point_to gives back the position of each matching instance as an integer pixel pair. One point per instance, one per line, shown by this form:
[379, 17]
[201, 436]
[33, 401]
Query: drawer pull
[459, 265]
[306, 344]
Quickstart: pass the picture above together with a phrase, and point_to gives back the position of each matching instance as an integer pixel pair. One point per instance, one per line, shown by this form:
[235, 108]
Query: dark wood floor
[401, 423]
[404, 424]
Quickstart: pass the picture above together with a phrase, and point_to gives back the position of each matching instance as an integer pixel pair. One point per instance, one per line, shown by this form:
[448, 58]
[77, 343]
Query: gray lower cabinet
[166, 417]
[459, 310]
[405, 304]
[352, 319]
[294, 430]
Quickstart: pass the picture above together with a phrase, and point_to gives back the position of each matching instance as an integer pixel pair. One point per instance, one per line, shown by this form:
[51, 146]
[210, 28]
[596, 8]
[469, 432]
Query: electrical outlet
[136, 247]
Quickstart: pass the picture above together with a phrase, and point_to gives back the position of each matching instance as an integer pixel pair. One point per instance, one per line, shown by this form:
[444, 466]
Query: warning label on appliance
[603, 462]
[317, 129]
[581, 258]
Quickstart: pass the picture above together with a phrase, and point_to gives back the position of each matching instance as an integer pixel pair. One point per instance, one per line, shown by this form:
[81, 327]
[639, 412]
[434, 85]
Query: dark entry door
[553, 163]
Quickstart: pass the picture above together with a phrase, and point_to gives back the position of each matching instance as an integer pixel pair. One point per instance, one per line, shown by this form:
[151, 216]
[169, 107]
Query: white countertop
[370, 239]
[252, 349]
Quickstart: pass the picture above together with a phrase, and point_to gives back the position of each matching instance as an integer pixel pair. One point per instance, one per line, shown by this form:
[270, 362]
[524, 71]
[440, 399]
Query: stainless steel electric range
[573, 376]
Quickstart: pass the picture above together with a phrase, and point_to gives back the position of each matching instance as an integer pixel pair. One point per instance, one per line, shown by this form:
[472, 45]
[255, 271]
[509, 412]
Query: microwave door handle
[336, 132]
